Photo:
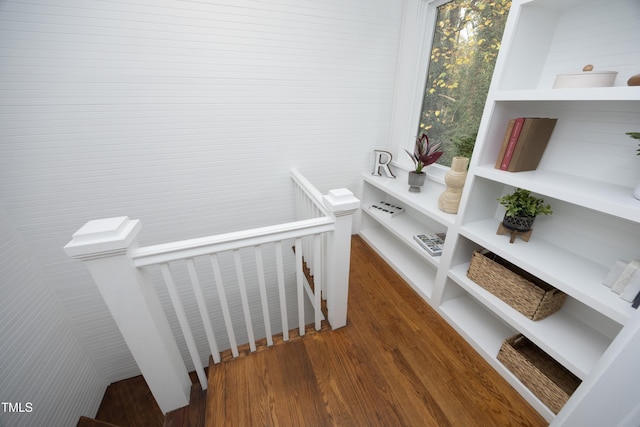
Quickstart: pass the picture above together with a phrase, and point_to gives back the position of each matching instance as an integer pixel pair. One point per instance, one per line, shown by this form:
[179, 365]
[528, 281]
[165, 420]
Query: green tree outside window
[465, 47]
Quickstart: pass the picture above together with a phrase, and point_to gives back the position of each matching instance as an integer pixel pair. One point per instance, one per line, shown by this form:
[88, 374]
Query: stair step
[261, 344]
[192, 415]
[90, 422]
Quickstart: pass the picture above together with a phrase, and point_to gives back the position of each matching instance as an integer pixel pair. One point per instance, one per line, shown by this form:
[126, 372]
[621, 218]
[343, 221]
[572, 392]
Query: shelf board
[486, 333]
[481, 328]
[569, 341]
[618, 93]
[578, 277]
[600, 196]
[413, 269]
[425, 202]
[404, 227]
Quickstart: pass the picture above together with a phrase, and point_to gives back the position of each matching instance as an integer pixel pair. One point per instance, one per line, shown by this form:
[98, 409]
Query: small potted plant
[521, 209]
[636, 135]
[423, 155]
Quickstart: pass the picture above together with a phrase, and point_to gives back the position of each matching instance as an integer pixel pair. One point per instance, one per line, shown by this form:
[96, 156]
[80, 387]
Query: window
[465, 45]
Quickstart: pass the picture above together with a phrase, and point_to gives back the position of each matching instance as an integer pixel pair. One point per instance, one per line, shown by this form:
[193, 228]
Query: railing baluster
[204, 313]
[323, 255]
[317, 281]
[215, 265]
[299, 203]
[184, 324]
[304, 248]
[300, 286]
[306, 206]
[245, 299]
[281, 292]
[263, 294]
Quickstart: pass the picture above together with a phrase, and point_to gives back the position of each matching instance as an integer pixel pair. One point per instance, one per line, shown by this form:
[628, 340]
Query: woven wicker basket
[551, 382]
[521, 290]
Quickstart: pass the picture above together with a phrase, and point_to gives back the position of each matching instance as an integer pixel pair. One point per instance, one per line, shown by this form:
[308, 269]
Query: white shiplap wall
[42, 362]
[187, 115]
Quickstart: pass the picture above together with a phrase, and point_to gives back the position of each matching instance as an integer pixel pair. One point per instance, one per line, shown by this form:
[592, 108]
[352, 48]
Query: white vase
[449, 200]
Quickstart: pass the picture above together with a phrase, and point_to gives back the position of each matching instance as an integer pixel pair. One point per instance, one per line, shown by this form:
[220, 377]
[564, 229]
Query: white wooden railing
[321, 237]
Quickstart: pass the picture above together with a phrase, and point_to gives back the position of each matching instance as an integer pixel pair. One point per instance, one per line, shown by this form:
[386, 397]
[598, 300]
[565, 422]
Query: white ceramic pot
[585, 79]
[416, 180]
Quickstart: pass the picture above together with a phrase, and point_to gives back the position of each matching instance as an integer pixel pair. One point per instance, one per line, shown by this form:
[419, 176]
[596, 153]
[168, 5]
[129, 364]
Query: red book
[511, 146]
[505, 142]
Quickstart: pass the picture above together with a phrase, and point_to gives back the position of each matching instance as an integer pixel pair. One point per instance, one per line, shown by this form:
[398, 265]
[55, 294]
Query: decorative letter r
[384, 164]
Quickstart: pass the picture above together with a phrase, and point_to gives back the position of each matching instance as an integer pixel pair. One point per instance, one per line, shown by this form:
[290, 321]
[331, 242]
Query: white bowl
[585, 79]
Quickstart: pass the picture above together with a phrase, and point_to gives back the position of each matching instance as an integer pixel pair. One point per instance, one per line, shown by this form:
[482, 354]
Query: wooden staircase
[129, 403]
[90, 422]
[192, 415]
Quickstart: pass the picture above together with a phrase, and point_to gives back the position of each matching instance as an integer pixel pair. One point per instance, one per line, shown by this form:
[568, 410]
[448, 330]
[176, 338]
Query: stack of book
[523, 143]
[624, 280]
[432, 243]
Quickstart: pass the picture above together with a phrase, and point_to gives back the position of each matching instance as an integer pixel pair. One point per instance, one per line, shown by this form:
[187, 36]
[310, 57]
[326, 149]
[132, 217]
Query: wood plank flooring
[396, 363]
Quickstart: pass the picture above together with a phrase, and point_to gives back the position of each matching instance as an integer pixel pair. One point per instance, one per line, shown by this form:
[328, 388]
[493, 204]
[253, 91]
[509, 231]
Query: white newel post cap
[103, 237]
[341, 201]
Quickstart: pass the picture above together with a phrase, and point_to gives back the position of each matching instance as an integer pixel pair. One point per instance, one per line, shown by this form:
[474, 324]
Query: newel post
[342, 204]
[105, 245]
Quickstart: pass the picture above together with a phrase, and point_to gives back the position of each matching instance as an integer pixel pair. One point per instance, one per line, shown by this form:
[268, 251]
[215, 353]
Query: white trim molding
[418, 24]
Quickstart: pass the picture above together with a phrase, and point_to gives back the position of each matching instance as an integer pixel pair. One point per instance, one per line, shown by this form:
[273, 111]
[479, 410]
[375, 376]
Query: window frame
[418, 27]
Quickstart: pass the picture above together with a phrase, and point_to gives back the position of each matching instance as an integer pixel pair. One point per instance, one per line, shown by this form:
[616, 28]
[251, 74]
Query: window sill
[434, 172]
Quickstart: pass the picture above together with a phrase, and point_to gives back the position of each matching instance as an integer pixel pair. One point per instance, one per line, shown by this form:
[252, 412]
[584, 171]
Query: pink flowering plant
[424, 153]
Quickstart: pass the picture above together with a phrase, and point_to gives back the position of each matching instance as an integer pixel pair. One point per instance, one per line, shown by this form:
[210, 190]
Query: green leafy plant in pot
[521, 209]
[635, 135]
[423, 155]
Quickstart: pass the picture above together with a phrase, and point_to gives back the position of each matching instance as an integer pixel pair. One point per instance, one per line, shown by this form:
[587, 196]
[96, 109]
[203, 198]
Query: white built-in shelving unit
[587, 174]
[395, 234]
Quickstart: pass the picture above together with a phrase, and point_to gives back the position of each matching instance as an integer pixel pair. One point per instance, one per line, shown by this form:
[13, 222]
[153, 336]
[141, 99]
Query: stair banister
[105, 245]
[110, 251]
[166, 252]
[310, 192]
